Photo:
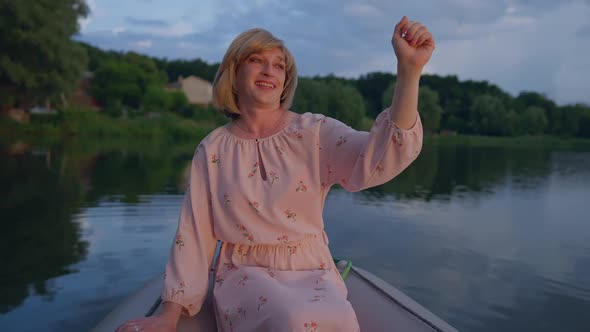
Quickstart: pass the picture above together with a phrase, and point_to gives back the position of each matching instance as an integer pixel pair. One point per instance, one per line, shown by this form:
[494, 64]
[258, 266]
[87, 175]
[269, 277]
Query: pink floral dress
[263, 198]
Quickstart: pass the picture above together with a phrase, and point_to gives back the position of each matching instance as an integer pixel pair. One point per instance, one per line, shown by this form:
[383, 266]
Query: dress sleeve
[358, 160]
[186, 280]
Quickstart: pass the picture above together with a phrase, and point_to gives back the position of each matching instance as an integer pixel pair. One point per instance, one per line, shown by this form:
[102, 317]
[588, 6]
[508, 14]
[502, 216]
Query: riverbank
[91, 128]
[552, 142]
[86, 124]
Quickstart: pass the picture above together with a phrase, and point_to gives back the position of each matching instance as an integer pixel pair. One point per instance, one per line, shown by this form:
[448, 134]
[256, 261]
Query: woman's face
[260, 78]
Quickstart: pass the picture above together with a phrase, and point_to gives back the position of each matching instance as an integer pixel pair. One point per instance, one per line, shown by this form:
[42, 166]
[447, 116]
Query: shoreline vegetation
[541, 141]
[97, 131]
[82, 124]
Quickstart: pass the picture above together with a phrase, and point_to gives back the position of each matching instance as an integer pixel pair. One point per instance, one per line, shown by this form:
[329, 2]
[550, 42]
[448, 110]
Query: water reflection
[488, 238]
[38, 240]
[43, 189]
[508, 252]
[441, 172]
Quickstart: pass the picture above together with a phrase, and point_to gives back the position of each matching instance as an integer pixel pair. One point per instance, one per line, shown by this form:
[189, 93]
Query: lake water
[488, 238]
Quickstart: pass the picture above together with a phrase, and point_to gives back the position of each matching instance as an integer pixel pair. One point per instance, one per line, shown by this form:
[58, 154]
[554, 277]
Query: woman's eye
[281, 67]
[254, 60]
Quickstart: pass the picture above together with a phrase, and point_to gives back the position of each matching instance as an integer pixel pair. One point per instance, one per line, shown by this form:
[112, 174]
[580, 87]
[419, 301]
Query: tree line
[42, 63]
[447, 105]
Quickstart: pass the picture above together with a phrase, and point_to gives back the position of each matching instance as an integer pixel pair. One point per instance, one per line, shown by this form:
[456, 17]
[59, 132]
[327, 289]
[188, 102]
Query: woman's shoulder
[213, 138]
[310, 120]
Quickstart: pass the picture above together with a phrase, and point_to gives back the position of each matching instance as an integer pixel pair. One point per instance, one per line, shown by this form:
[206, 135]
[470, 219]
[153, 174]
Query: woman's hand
[157, 323]
[413, 45]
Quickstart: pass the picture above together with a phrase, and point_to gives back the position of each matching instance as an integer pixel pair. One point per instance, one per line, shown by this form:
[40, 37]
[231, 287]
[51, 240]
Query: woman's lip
[272, 85]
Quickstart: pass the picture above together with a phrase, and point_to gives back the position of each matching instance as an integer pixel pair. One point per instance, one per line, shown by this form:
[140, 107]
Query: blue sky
[532, 45]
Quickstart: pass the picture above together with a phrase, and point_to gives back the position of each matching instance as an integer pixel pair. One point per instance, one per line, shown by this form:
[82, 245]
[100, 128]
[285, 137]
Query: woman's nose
[267, 69]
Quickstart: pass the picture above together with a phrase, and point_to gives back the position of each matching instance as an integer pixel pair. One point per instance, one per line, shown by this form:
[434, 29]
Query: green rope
[346, 270]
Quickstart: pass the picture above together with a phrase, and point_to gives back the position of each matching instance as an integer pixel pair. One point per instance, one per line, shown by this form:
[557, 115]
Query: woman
[259, 184]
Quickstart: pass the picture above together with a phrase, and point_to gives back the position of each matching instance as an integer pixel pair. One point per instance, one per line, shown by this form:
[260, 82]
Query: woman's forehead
[276, 52]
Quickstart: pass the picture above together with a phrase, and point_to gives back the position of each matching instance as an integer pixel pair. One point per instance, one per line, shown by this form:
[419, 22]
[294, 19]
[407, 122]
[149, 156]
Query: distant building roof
[196, 89]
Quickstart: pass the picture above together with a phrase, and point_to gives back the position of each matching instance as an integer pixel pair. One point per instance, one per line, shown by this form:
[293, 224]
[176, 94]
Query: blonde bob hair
[256, 40]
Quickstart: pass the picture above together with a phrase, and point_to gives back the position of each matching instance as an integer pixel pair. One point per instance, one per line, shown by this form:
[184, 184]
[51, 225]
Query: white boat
[378, 306]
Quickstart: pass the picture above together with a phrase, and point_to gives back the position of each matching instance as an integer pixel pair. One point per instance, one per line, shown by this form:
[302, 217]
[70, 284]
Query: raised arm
[359, 160]
[413, 45]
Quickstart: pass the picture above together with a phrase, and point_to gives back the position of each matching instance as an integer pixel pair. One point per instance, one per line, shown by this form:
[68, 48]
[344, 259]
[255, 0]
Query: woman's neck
[260, 122]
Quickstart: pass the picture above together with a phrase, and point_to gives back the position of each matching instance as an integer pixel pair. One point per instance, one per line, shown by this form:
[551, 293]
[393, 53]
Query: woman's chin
[268, 100]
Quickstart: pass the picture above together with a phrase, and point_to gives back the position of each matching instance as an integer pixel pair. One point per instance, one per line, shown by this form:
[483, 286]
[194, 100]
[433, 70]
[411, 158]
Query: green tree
[346, 104]
[178, 101]
[429, 108]
[151, 74]
[575, 120]
[311, 96]
[553, 113]
[126, 80]
[6, 97]
[96, 56]
[185, 68]
[156, 99]
[584, 120]
[114, 108]
[532, 121]
[372, 87]
[205, 114]
[333, 98]
[488, 116]
[39, 61]
[388, 95]
[117, 81]
[456, 98]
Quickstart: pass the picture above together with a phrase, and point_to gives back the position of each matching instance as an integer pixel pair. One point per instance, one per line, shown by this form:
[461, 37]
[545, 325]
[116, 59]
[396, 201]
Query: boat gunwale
[406, 303]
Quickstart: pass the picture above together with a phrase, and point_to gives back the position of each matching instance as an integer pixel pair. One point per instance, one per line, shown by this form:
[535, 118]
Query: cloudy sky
[532, 45]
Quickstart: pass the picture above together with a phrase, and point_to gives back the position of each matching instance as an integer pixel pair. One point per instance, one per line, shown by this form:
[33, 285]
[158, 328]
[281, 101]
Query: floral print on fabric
[301, 187]
[254, 205]
[290, 215]
[254, 170]
[261, 302]
[215, 159]
[273, 176]
[179, 242]
[247, 235]
[275, 270]
[311, 326]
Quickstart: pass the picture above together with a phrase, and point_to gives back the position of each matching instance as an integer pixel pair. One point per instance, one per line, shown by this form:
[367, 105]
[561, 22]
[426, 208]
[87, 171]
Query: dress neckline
[276, 133]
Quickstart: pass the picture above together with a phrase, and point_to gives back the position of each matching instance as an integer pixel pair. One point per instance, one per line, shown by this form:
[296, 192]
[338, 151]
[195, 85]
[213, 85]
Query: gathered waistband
[307, 253]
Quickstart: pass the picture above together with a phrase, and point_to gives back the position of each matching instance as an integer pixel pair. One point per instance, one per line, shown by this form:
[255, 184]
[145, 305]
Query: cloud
[188, 46]
[512, 43]
[523, 53]
[178, 29]
[84, 22]
[118, 30]
[583, 32]
[570, 80]
[148, 22]
[143, 44]
[362, 10]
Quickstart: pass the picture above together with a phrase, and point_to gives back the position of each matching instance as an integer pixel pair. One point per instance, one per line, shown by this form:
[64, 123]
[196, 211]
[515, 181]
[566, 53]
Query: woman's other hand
[413, 44]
